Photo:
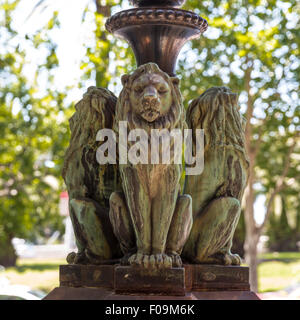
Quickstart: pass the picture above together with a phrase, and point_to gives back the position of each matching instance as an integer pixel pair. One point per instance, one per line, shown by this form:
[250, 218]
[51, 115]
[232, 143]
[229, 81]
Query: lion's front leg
[139, 206]
[212, 233]
[180, 229]
[163, 207]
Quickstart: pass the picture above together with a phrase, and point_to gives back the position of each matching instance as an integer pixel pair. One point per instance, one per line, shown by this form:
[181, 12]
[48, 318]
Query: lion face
[150, 99]
[150, 96]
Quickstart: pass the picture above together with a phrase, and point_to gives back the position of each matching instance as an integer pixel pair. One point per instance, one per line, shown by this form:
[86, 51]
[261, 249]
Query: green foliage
[250, 46]
[284, 234]
[107, 58]
[253, 48]
[33, 134]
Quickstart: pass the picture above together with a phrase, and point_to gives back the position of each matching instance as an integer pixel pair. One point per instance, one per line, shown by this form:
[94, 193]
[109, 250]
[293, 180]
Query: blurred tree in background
[33, 135]
[107, 57]
[251, 46]
[283, 227]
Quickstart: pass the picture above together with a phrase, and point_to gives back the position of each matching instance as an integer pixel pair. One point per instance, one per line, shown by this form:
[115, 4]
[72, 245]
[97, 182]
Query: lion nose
[150, 96]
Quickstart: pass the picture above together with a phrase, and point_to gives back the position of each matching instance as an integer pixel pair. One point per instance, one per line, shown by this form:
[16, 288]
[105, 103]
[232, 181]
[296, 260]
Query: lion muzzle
[150, 110]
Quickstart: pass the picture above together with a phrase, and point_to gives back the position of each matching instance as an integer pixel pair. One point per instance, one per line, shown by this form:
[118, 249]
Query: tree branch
[278, 187]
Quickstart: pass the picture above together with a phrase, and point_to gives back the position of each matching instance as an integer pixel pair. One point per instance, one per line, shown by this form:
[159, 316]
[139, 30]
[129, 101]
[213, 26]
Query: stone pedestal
[159, 281]
[217, 278]
[193, 282]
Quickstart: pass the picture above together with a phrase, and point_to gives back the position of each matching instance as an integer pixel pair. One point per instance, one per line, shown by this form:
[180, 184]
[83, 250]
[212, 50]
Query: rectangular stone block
[217, 278]
[155, 281]
[70, 276]
[86, 276]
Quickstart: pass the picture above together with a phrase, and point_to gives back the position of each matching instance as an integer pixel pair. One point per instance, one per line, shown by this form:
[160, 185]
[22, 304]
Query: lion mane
[84, 177]
[216, 111]
[175, 117]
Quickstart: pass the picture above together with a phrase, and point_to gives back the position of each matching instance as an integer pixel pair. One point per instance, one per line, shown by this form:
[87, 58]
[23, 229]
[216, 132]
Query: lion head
[150, 99]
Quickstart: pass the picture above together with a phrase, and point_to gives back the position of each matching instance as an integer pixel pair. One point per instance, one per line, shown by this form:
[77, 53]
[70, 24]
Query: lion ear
[175, 81]
[124, 79]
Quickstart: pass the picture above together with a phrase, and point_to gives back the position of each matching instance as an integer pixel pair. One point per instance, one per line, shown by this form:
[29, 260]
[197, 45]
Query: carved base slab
[86, 276]
[217, 278]
[161, 281]
[198, 282]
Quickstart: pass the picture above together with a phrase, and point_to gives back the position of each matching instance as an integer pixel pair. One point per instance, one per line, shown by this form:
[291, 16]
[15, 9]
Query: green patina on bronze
[160, 217]
[90, 185]
[137, 213]
[218, 191]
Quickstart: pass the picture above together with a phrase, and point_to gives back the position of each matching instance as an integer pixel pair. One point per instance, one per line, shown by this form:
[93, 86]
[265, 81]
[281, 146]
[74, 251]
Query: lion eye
[162, 90]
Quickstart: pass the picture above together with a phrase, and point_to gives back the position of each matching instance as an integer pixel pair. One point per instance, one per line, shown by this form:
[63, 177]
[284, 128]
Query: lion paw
[150, 261]
[176, 260]
[77, 258]
[235, 259]
[161, 260]
[138, 259]
[227, 258]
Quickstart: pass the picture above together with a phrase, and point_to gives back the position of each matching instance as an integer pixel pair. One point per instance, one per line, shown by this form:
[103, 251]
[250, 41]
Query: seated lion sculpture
[150, 219]
[89, 184]
[218, 191]
[135, 213]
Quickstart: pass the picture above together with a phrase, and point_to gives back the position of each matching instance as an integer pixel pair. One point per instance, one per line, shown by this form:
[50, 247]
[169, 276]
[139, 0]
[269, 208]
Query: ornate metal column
[136, 231]
[157, 30]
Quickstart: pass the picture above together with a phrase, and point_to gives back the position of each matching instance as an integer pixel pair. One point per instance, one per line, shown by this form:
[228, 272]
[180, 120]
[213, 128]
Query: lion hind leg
[212, 233]
[81, 243]
[122, 225]
[97, 243]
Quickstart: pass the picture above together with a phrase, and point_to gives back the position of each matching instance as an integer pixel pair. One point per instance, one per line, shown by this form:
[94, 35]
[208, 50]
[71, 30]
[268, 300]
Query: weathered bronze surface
[218, 191]
[157, 3]
[90, 185]
[157, 217]
[157, 34]
[136, 215]
[128, 226]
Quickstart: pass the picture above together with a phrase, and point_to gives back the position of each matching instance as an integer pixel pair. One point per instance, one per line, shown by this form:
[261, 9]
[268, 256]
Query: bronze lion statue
[90, 184]
[150, 218]
[217, 192]
[134, 212]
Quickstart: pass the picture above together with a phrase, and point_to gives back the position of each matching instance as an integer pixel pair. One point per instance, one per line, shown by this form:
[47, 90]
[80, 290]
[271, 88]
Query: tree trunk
[8, 257]
[252, 232]
[251, 260]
